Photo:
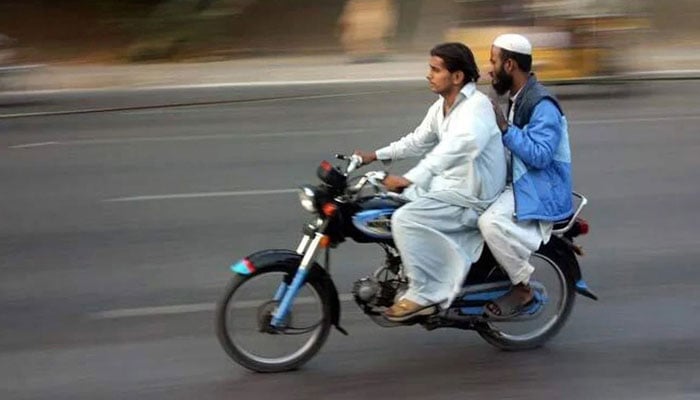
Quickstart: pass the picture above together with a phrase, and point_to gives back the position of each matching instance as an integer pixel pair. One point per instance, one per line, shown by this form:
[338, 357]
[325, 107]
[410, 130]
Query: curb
[574, 84]
[671, 75]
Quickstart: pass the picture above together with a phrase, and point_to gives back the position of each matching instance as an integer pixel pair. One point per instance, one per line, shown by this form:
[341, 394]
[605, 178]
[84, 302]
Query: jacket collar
[531, 81]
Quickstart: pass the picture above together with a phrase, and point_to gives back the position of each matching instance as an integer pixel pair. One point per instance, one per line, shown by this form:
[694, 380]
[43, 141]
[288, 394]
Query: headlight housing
[307, 198]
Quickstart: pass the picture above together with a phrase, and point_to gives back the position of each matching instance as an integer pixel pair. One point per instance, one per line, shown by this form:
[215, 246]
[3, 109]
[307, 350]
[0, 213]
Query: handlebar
[354, 161]
[374, 178]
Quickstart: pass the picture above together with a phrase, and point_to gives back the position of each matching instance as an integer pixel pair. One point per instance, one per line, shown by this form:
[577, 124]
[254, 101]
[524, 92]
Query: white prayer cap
[514, 42]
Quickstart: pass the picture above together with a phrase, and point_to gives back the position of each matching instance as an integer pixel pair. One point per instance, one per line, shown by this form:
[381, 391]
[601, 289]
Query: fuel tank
[373, 219]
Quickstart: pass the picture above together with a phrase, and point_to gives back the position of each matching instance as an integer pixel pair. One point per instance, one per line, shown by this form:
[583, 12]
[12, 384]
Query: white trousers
[438, 243]
[512, 242]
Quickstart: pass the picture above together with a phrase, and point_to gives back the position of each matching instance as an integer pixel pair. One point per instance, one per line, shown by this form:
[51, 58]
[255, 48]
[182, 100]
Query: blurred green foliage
[138, 30]
[162, 29]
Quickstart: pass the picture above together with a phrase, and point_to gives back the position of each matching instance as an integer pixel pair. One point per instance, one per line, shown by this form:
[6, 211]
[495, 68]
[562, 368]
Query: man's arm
[463, 144]
[416, 143]
[537, 142]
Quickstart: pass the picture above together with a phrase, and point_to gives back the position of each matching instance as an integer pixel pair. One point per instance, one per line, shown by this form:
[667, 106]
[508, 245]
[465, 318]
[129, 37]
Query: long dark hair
[457, 57]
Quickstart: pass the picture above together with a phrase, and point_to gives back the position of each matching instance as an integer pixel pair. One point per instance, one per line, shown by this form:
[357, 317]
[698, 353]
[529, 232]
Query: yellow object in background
[551, 62]
[568, 49]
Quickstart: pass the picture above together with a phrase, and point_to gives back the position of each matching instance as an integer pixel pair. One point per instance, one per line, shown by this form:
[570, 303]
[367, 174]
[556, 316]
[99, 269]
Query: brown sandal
[404, 309]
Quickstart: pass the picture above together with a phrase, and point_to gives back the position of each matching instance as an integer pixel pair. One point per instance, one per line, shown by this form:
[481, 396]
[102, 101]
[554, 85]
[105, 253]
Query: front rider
[462, 172]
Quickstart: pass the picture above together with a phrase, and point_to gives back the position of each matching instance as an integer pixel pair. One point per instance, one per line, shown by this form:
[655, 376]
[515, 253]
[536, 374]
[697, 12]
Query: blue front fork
[287, 293]
[280, 291]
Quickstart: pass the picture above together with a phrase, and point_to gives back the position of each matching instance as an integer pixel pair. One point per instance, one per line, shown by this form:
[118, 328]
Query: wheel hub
[266, 312]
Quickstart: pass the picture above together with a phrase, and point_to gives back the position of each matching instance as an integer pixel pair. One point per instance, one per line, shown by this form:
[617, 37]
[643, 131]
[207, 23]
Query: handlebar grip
[355, 161]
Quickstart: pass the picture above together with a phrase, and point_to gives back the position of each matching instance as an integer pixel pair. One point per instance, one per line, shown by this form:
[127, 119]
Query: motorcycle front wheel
[244, 313]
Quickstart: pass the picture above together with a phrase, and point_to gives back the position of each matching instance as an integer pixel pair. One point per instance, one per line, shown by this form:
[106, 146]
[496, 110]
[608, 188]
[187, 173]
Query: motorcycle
[294, 301]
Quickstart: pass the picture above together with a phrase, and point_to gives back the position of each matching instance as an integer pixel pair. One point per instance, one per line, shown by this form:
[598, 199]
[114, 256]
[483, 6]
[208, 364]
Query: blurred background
[122, 208]
[573, 38]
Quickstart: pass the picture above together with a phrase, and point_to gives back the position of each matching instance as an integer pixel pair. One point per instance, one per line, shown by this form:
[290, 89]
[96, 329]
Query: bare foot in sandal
[510, 304]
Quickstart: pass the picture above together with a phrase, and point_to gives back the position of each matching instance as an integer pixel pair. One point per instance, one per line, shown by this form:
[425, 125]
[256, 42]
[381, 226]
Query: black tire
[240, 356]
[558, 258]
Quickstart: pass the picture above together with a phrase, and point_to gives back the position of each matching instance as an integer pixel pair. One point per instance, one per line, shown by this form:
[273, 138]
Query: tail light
[580, 227]
[583, 226]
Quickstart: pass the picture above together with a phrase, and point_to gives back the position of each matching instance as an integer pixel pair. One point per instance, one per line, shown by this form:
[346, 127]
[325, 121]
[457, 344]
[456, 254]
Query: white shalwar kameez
[462, 173]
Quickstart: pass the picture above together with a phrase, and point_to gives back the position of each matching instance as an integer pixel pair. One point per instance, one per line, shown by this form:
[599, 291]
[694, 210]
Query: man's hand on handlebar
[368, 157]
[394, 183]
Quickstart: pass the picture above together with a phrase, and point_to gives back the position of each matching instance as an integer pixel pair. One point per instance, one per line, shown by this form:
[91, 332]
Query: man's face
[501, 80]
[440, 79]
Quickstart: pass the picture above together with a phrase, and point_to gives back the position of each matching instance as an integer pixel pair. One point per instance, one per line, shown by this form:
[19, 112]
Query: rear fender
[558, 249]
[259, 261]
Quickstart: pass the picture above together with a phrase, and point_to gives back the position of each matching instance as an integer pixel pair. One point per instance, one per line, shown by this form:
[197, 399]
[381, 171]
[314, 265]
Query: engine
[371, 293]
[366, 292]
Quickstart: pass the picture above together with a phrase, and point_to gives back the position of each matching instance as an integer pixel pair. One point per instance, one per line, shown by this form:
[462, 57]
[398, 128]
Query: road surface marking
[174, 196]
[626, 120]
[185, 138]
[121, 89]
[192, 308]
[187, 105]
[30, 145]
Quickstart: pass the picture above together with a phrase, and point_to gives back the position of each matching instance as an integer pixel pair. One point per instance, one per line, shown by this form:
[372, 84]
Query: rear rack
[572, 220]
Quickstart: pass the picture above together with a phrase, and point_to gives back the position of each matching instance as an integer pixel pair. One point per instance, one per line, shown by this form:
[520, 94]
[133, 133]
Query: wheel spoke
[246, 333]
[547, 277]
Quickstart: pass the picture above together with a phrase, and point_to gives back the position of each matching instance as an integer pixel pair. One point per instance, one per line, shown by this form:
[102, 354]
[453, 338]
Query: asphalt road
[117, 230]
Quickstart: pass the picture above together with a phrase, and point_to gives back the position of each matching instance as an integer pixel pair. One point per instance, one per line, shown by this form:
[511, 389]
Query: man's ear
[509, 65]
[458, 77]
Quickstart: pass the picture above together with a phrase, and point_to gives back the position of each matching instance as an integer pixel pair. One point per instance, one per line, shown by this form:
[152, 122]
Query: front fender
[259, 261]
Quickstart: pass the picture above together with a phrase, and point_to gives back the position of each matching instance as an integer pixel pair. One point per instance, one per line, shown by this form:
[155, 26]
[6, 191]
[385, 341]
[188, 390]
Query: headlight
[307, 197]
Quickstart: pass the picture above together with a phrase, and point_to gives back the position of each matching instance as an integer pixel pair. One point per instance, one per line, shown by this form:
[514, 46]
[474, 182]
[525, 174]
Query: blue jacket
[541, 157]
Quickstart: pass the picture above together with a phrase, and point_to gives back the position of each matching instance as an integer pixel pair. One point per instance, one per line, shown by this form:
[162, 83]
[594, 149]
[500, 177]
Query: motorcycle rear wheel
[545, 327]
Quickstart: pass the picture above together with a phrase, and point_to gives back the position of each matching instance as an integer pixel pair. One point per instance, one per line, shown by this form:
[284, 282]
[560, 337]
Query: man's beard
[502, 82]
